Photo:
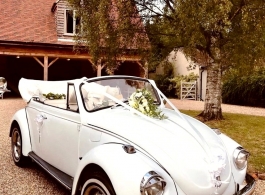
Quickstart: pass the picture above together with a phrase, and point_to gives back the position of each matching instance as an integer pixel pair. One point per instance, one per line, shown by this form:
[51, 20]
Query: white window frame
[65, 22]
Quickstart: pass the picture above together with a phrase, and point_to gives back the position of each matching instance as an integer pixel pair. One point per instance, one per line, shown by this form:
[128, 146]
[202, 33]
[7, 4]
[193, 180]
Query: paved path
[199, 105]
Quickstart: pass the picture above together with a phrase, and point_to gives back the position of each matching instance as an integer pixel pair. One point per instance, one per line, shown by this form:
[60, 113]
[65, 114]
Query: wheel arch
[86, 169]
[20, 119]
[125, 171]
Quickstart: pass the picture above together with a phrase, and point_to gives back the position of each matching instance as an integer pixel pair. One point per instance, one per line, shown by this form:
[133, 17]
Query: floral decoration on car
[52, 96]
[143, 101]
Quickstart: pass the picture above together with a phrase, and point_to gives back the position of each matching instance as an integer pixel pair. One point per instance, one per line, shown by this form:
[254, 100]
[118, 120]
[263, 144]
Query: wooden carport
[42, 52]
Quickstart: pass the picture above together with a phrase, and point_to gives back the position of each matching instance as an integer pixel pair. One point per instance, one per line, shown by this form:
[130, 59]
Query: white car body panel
[180, 148]
[127, 171]
[34, 110]
[237, 174]
[61, 149]
[155, 140]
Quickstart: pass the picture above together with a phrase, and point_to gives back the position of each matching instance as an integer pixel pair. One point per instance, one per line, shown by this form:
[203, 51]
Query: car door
[33, 111]
[60, 135]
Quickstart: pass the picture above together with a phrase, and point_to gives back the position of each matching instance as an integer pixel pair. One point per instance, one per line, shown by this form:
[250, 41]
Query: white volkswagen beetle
[120, 135]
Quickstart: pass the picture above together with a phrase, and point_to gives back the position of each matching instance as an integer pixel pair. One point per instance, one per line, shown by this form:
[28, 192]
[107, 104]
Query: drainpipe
[202, 68]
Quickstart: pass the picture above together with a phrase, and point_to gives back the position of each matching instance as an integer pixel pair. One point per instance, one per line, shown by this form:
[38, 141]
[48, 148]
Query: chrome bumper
[249, 188]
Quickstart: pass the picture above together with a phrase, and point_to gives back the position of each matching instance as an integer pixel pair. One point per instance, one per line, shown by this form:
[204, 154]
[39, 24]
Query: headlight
[152, 184]
[240, 157]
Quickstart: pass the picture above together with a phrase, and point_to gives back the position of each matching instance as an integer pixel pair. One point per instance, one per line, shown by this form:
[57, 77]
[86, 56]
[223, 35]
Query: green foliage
[245, 90]
[217, 34]
[110, 29]
[229, 32]
[52, 96]
[165, 85]
[176, 81]
[163, 81]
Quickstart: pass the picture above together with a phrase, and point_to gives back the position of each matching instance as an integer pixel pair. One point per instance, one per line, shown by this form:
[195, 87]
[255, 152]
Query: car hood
[189, 150]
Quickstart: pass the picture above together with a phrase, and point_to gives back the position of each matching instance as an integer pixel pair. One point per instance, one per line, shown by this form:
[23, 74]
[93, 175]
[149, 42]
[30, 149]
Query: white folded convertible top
[29, 87]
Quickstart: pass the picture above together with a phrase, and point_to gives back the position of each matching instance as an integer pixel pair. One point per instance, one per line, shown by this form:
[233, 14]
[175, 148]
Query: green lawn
[247, 130]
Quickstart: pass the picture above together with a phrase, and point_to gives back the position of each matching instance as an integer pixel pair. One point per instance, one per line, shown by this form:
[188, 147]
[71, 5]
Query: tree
[219, 34]
[109, 29]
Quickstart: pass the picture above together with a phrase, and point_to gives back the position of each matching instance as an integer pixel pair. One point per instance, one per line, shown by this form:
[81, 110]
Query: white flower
[132, 103]
[141, 108]
[138, 95]
[144, 102]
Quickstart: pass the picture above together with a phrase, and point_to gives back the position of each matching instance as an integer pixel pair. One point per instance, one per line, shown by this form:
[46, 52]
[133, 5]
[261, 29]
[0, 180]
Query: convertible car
[120, 135]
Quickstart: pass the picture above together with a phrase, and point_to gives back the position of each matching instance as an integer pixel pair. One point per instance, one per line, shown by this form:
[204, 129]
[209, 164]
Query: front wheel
[16, 147]
[97, 183]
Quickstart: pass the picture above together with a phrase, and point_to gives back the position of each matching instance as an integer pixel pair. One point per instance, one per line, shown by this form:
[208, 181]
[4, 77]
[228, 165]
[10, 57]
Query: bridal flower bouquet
[142, 100]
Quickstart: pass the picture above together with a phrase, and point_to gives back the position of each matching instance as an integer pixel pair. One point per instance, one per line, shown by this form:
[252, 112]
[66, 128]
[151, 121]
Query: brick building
[36, 42]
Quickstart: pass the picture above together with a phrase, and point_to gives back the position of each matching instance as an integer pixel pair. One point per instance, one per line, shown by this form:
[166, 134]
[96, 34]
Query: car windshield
[105, 92]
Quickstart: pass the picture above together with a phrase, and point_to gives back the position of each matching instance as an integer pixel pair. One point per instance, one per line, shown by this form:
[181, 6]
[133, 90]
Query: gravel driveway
[34, 181]
[14, 180]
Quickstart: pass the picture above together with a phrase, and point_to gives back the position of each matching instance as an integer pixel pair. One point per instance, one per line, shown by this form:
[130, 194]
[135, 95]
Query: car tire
[97, 182]
[16, 147]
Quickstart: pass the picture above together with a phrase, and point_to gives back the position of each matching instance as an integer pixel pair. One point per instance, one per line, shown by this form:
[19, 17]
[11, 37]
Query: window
[71, 22]
[71, 98]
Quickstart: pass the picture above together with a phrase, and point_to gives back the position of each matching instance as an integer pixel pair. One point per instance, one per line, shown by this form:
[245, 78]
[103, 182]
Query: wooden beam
[39, 61]
[72, 56]
[52, 62]
[139, 63]
[62, 55]
[91, 61]
[145, 68]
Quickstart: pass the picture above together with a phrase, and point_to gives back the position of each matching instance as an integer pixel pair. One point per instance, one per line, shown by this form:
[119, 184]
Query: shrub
[246, 90]
[163, 81]
[169, 84]
[165, 85]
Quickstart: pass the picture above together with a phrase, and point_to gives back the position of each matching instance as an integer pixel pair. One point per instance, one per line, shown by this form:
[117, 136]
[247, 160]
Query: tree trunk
[213, 98]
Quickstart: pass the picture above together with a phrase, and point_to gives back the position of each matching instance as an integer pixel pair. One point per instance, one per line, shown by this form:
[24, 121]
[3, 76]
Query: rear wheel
[97, 183]
[16, 147]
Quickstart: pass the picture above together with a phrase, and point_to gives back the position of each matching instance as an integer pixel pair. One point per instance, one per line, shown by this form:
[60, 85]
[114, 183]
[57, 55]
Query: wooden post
[99, 68]
[45, 66]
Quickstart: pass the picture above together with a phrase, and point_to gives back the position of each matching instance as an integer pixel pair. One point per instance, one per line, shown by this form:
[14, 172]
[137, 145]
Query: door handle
[40, 117]
[43, 116]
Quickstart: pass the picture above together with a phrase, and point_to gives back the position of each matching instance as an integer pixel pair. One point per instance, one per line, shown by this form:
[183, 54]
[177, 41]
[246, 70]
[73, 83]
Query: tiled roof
[30, 21]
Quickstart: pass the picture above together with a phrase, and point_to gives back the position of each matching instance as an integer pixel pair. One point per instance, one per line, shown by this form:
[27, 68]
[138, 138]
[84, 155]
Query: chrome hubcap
[16, 143]
[94, 190]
